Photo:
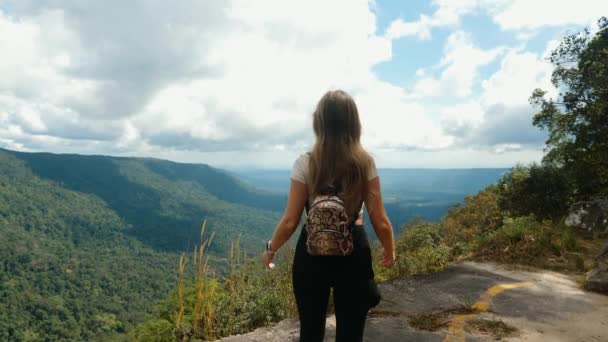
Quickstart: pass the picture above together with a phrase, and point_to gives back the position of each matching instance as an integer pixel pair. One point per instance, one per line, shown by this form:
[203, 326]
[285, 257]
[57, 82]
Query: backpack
[328, 227]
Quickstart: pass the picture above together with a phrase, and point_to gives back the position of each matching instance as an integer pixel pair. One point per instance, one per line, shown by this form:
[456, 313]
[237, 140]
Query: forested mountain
[89, 243]
[161, 202]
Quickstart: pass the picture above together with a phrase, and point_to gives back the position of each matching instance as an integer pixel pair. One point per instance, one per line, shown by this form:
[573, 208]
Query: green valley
[90, 243]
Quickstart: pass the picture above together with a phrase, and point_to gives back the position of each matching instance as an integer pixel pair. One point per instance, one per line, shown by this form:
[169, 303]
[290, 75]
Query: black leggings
[313, 276]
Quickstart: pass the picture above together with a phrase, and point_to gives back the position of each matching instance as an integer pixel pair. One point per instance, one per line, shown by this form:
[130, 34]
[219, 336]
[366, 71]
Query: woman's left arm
[298, 195]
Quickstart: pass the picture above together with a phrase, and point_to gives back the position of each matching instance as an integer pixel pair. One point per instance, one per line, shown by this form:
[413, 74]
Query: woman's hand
[382, 225]
[268, 258]
[388, 260]
[298, 194]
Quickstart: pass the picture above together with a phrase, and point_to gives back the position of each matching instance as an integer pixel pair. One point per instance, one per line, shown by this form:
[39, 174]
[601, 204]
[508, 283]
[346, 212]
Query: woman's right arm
[382, 225]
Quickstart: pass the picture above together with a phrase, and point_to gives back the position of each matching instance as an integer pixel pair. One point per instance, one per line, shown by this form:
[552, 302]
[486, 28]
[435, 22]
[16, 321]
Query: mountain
[408, 193]
[89, 243]
[164, 203]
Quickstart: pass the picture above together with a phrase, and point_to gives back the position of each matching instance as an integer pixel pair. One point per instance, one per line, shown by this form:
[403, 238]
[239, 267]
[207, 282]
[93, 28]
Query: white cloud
[229, 82]
[447, 14]
[421, 28]
[501, 118]
[520, 72]
[391, 121]
[73, 72]
[212, 76]
[526, 14]
[522, 15]
[459, 65]
[459, 120]
[458, 157]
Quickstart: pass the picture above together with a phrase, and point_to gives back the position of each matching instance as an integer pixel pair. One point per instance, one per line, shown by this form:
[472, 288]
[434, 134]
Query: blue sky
[411, 54]
[440, 83]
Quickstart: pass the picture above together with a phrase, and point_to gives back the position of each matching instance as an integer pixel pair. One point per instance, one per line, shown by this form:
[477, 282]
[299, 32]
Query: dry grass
[202, 324]
[525, 241]
[180, 299]
[429, 322]
[204, 307]
[494, 328]
[435, 320]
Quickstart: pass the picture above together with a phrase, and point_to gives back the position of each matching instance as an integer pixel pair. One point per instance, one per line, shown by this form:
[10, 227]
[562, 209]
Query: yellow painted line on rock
[456, 327]
[485, 300]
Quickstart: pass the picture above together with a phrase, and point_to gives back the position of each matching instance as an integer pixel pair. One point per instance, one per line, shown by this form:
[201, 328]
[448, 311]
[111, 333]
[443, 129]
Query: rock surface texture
[597, 279]
[591, 216]
[539, 305]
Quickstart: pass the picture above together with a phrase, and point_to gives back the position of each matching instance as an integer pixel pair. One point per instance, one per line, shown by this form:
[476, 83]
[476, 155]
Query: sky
[233, 83]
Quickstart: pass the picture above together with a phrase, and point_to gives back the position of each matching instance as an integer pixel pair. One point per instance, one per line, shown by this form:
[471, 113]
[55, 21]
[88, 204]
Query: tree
[540, 190]
[577, 120]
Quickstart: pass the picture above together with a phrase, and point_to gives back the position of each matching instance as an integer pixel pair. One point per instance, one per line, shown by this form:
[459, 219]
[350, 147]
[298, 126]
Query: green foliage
[248, 297]
[161, 202]
[478, 230]
[218, 183]
[420, 249]
[253, 297]
[525, 241]
[539, 190]
[76, 261]
[419, 235]
[429, 247]
[156, 330]
[577, 121]
[67, 272]
[478, 215]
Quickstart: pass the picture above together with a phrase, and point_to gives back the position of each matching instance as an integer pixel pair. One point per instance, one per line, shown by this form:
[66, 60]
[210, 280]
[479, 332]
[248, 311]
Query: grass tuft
[494, 328]
[428, 322]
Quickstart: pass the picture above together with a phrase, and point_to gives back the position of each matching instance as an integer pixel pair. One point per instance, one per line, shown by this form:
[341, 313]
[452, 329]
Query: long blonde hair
[337, 153]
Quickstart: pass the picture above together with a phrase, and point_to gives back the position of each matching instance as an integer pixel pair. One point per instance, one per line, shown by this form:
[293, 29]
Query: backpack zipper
[329, 231]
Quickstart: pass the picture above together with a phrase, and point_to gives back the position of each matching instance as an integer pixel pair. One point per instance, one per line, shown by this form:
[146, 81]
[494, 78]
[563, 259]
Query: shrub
[207, 307]
[253, 296]
[157, 330]
[419, 235]
[419, 250]
[525, 240]
[540, 190]
[478, 215]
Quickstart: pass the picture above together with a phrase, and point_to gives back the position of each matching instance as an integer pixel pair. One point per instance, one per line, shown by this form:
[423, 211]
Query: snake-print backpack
[328, 226]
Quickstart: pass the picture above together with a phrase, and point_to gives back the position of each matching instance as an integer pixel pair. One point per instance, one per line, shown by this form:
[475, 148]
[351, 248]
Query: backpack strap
[335, 187]
[332, 188]
[356, 216]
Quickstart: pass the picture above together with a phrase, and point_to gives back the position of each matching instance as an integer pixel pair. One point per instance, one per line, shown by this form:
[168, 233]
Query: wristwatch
[269, 247]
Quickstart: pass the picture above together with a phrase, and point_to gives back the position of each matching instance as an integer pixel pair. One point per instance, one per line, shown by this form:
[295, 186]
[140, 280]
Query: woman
[336, 155]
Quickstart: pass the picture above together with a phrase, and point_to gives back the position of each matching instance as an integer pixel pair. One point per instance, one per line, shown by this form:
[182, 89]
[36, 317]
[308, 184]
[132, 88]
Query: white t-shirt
[299, 171]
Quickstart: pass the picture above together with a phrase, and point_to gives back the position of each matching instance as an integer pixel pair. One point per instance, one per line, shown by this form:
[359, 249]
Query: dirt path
[516, 304]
